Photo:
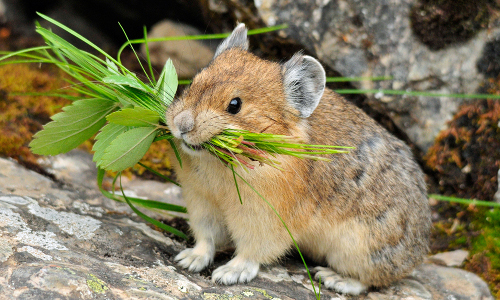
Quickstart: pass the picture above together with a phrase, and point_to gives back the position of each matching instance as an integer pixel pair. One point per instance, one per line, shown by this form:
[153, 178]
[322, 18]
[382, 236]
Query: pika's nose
[184, 121]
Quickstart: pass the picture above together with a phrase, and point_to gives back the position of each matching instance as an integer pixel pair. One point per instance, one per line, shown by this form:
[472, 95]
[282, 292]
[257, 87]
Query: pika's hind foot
[334, 281]
[197, 258]
[237, 270]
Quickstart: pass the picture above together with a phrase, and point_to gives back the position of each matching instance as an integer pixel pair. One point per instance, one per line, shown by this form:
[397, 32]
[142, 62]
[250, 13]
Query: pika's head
[238, 90]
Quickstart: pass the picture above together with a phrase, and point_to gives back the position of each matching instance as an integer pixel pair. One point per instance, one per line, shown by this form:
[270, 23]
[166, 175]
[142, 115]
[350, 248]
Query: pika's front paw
[236, 270]
[193, 260]
[334, 281]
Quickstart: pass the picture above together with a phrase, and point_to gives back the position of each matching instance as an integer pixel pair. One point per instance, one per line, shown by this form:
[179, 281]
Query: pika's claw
[236, 270]
[333, 281]
[193, 260]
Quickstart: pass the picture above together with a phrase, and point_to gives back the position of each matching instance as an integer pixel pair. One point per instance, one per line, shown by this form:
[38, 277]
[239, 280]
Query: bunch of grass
[233, 146]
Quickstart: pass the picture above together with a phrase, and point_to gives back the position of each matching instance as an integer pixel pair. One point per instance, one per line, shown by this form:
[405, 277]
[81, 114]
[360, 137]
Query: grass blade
[146, 203]
[198, 37]
[158, 174]
[464, 201]
[236, 184]
[148, 56]
[349, 79]
[151, 220]
[288, 230]
[417, 93]
[176, 151]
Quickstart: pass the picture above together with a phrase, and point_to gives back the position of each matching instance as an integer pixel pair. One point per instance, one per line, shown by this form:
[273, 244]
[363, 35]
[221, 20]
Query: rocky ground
[62, 240]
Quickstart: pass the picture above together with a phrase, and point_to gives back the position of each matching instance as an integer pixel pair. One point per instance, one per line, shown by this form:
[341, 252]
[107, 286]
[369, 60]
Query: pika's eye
[234, 106]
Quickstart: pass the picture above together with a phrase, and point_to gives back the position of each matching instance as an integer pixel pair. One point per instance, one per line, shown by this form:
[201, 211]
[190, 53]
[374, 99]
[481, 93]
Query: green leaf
[124, 100]
[166, 87]
[127, 149]
[77, 123]
[126, 80]
[236, 183]
[104, 138]
[112, 67]
[137, 116]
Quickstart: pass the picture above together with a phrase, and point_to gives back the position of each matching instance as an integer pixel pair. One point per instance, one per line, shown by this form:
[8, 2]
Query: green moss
[485, 248]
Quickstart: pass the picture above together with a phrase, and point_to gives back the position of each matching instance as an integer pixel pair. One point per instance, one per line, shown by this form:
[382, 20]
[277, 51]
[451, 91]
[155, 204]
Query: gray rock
[66, 241]
[451, 258]
[2, 11]
[375, 38]
[496, 197]
[188, 56]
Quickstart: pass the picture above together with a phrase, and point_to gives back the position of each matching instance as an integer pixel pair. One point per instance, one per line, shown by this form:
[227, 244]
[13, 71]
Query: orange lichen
[23, 115]
[466, 156]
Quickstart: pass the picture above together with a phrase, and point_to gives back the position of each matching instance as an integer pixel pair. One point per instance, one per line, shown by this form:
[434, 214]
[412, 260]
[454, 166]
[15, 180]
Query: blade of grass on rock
[151, 220]
[417, 93]
[146, 203]
[198, 37]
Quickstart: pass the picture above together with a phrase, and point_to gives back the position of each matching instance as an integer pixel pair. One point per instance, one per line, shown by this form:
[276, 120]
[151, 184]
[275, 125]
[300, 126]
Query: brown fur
[365, 214]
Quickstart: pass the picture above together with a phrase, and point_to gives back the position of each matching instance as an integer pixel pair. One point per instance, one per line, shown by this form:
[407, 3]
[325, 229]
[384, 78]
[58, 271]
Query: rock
[496, 197]
[77, 170]
[2, 11]
[450, 259]
[376, 38]
[188, 56]
[63, 241]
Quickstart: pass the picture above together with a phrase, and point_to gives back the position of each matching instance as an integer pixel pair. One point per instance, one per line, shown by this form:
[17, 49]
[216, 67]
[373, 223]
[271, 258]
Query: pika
[363, 217]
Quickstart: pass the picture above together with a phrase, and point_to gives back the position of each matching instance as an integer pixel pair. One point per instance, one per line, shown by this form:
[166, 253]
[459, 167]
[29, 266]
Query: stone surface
[450, 258]
[188, 56]
[65, 241]
[496, 197]
[375, 38]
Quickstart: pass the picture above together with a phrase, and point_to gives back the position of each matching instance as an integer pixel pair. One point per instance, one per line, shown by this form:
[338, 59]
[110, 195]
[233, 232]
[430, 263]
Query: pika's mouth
[192, 147]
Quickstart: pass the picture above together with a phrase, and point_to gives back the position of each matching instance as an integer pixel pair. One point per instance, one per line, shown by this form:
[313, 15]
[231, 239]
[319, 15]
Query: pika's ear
[304, 81]
[237, 39]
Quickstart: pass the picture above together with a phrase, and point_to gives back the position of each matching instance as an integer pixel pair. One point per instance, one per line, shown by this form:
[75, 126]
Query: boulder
[62, 239]
[451, 258]
[496, 197]
[378, 38]
[188, 56]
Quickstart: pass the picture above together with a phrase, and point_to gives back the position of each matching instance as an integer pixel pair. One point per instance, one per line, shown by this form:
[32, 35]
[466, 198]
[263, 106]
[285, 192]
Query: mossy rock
[440, 23]
[466, 156]
[23, 115]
